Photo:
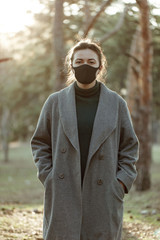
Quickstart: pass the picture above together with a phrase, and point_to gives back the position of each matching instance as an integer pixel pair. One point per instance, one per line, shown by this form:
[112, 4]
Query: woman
[85, 149]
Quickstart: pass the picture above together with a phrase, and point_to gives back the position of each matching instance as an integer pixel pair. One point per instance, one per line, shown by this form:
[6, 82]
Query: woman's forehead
[85, 54]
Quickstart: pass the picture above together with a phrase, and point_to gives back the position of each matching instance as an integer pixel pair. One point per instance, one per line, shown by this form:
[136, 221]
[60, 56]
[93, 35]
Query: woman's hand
[122, 184]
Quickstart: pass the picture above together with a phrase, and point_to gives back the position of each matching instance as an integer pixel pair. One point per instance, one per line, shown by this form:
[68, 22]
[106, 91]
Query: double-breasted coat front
[93, 211]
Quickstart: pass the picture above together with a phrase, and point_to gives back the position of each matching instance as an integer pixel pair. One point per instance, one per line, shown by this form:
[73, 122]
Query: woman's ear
[72, 69]
[99, 70]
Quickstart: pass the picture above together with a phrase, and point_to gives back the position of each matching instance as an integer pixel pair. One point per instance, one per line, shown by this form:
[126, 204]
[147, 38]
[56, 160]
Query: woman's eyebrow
[87, 59]
[92, 59]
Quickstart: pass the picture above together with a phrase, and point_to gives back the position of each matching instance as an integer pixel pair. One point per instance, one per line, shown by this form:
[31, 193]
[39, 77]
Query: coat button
[61, 175]
[101, 157]
[63, 150]
[99, 182]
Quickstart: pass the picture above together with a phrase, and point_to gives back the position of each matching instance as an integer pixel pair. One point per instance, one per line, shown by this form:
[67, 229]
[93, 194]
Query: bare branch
[116, 28]
[5, 59]
[93, 20]
[136, 72]
[87, 12]
[133, 57]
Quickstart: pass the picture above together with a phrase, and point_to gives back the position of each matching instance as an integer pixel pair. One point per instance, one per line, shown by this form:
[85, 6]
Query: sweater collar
[87, 92]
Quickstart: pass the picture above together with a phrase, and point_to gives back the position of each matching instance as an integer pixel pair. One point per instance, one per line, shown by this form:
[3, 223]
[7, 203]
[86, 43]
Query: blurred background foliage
[29, 77]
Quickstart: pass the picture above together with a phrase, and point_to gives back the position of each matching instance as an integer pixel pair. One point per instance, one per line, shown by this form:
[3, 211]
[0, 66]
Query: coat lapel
[104, 123]
[105, 120]
[67, 109]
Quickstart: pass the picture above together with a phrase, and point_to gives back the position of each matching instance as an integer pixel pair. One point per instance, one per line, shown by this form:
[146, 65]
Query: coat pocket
[118, 189]
[47, 200]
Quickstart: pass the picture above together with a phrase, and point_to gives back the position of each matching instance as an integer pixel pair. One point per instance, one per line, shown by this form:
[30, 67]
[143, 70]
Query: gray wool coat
[95, 210]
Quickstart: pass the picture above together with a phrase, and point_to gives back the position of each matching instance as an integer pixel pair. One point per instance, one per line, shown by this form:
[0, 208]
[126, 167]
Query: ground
[21, 212]
[26, 224]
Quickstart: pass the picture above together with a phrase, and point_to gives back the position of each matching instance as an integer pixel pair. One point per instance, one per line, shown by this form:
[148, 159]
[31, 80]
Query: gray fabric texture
[95, 211]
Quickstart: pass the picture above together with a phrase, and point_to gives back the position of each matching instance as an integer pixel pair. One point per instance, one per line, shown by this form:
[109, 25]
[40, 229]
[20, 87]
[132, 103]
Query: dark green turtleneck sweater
[86, 107]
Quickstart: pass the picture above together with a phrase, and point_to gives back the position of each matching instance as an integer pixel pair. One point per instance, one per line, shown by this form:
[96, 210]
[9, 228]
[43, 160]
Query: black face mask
[85, 73]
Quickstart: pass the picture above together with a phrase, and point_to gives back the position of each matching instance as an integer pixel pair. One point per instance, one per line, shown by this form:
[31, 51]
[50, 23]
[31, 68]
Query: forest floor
[24, 223]
[21, 196]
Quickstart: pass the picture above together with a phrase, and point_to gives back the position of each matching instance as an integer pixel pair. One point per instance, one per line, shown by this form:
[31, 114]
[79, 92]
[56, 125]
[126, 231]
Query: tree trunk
[5, 133]
[58, 45]
[140, 94]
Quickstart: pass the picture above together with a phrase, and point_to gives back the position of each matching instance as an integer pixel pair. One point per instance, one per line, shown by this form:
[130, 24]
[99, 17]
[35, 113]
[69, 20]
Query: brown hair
[85, 44]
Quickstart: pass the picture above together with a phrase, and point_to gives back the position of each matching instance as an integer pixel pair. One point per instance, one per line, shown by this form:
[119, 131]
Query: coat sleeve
[128, 149]
[41, 143]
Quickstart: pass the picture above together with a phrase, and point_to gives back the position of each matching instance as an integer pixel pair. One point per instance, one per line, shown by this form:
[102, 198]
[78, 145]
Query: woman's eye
[78, 62]
[92, 62]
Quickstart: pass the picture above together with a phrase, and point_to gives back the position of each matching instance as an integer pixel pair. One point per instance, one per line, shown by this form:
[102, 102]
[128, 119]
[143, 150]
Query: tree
[90, 21]
[58, 43]
[4, 124]
[156, 82]
[140, 93]
[88, 24]
[5, 132]
[28, 79]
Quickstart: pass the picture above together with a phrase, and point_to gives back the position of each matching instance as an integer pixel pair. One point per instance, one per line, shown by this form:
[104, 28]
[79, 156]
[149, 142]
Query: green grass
[18, 179]
[156, 153]
[136, 202]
